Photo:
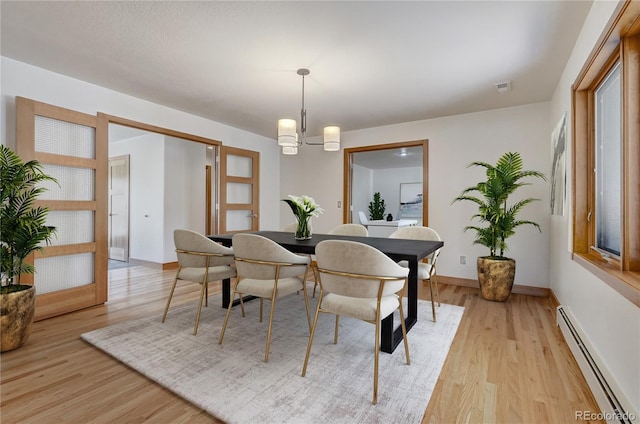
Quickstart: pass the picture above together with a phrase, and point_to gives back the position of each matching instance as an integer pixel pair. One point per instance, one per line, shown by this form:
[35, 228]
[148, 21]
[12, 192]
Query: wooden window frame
[620, 42]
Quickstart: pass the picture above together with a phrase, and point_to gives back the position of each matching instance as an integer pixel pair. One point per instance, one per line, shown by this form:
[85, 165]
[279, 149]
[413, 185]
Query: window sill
[624, 282]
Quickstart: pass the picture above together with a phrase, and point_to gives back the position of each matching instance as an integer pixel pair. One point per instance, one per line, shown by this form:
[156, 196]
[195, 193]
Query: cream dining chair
[342, 230]
[200, 260]
[426, 268]
[268, 271]
[358, 281]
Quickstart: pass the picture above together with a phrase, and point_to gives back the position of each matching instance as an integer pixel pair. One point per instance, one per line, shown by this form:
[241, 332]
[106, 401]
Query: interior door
[119, 208]
[239, 190]
[71, 273]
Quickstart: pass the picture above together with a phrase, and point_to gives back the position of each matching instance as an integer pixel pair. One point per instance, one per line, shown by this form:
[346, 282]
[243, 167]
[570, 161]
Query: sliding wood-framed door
[71, 273]
[239, 190]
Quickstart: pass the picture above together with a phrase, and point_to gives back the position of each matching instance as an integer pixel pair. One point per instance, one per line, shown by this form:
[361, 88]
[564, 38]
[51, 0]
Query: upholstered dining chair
[350, 230]
[268, 271]
[292, 226]
[342, 230]
[358, 281]
[200, 260]
[426, 268]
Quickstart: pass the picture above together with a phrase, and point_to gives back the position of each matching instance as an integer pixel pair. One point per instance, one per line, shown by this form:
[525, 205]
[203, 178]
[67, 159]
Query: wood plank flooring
[508, 364]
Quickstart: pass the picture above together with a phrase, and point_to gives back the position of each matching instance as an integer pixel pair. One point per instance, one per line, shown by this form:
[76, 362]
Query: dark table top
[396, 249]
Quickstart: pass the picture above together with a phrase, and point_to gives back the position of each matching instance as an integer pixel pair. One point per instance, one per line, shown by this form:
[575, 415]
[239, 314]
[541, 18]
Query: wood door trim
[348, 174]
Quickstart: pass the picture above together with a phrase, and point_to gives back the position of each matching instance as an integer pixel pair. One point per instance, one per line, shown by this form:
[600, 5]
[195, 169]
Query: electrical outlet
[463, 260]
[339, 204]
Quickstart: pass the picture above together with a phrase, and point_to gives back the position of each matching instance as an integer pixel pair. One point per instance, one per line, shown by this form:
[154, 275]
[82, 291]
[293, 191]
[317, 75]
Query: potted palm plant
[496, 272]
[22, 231]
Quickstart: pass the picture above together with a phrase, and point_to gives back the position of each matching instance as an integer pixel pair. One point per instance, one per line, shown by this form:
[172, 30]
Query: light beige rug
[231, 381]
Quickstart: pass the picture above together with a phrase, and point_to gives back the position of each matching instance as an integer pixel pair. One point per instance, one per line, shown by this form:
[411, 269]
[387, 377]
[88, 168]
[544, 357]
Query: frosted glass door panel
[239, 193]
[74, 183]
[64, 138]
[239, 220]
[72, 227]
[239, 166]
[63, 272]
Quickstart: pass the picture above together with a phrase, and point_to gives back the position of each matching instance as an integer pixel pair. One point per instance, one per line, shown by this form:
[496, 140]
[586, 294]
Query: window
[606, 157]
[608, 139]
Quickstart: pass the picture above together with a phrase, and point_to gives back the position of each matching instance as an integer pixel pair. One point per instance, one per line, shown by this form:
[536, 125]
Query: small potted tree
[22, 231]
[377, 207]
[496, 272]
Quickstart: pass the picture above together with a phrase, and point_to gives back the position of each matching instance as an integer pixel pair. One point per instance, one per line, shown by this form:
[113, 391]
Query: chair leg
[404, 333]
[315, 279]
[226, 317]
[433, 303]
[375, 363]
[435, 280]
[202, 292]
[335, 331]
[166, 309]
[313, 332]
[306, 304]
[273, 307]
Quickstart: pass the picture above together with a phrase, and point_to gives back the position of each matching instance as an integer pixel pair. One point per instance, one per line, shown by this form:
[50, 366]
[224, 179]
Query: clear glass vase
[303, 231]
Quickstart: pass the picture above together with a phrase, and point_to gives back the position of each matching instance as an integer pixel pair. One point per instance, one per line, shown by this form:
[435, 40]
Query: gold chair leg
[306, 304]
[315, 279]
[226, 317]
[166, 309]
[202, 292]
[433, 303]
[335, 330]
[273, 307]
[313, 332]
[404, 333]
[435, 280]
[375, 363]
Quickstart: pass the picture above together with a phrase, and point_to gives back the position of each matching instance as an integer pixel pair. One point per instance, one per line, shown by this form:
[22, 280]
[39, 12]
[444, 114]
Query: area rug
[233, 383]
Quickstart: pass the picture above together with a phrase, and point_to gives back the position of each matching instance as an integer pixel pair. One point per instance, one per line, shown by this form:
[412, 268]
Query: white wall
[21, 79]
[611, 322]
[146, 195]
[387, 182]
[454, 142]
[362, 193]
[184, 188]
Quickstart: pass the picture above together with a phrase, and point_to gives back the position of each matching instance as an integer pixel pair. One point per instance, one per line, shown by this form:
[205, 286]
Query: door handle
[253, 215]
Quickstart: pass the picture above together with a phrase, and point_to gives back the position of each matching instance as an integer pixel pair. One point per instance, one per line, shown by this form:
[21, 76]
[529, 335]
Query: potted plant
[377, 207]
[22, 231]
[496, 272]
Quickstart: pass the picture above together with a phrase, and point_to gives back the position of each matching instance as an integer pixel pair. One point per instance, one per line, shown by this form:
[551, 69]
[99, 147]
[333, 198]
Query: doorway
[386, 168]
[119, 208]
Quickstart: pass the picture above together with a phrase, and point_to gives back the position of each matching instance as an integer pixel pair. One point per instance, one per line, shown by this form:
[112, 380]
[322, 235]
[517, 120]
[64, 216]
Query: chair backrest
[257, 248]
[363, 218]
[419, 233]
[291, 227]
[350, 230]
[367, 264]
[191, 241]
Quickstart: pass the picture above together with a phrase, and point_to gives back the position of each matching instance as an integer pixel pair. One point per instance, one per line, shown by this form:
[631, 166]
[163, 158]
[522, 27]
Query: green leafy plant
[377, 207]
[502, 180]
[22, 226]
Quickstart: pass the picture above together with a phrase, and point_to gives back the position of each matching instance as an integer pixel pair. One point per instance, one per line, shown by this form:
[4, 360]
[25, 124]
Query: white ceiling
[372, 63]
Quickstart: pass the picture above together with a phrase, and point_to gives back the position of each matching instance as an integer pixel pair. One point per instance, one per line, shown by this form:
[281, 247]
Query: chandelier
[288, 136]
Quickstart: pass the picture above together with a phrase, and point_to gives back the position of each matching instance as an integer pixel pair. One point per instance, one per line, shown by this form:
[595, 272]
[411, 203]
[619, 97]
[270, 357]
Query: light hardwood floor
[508, 364]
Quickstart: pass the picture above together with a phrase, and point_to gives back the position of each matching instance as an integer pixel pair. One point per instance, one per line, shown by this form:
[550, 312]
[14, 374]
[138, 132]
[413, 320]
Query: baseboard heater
[613, 405]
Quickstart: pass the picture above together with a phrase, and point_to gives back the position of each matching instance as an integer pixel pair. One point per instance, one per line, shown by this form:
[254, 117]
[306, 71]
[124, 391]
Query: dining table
[408, 250]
